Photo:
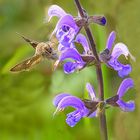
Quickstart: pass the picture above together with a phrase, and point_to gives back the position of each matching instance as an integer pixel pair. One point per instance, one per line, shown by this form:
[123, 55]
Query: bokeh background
[26, 110]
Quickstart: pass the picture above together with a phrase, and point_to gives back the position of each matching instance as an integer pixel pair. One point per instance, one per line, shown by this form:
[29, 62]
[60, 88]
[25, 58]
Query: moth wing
[27, 64]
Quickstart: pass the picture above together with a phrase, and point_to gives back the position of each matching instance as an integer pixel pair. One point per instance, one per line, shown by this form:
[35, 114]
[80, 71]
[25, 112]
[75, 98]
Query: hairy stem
[103, 126]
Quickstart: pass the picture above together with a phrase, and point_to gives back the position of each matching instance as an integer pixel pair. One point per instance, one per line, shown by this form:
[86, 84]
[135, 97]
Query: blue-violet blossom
[74, 60]
[66, 27]
[111, 59]
[125, 85]
[64, 100]
[90, 108]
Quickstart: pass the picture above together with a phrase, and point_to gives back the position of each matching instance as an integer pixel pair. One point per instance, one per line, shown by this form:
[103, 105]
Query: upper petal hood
[55, 10]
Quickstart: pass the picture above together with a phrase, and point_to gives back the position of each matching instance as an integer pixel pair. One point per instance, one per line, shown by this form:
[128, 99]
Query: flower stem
[103, 126]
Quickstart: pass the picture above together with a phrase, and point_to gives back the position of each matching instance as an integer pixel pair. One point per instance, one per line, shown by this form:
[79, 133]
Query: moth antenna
[30, 41]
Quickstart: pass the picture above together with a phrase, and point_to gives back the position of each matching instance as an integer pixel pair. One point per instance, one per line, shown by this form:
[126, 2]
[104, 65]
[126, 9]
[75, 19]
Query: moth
[42, 50]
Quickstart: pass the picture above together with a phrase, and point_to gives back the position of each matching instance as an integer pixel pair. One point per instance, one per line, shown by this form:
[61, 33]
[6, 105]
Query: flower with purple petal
[64, 100]
[117, 99]
[74, 58]
[125, 85]
[66, 28]
[111, 59]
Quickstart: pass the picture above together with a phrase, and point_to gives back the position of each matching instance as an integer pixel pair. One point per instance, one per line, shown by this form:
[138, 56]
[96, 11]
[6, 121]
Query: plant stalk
[102, 116]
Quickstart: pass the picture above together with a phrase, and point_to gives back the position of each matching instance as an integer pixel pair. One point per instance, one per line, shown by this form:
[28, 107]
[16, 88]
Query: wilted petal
[55, 10]
[72, 54]
[121, 49]
[111, 40]
[125, 85]
[91, 91]
[59, 97]
[82, 40]
[74, 117]
[126, 106]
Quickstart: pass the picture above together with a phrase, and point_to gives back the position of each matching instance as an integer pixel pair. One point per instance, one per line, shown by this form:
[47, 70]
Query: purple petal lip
[70, 67]
[120, 49]
[123, 70]
[126, 106]
[74, 117]
[126, 69]
[125, 85]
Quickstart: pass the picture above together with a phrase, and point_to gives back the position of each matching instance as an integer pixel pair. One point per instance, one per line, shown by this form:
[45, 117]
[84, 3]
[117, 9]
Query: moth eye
[49, 49]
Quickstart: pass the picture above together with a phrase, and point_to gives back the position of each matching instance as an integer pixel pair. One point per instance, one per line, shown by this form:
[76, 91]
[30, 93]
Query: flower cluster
[111, 57]
[91, 107]
[67, 31]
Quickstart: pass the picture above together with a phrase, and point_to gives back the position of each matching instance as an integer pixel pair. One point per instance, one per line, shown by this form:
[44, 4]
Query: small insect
[42, 50]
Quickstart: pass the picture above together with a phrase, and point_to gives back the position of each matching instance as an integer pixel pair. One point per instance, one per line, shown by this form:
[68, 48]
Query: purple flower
[66, 28]
[111, 59]
[125, 85]
[64, 100]
[74, 60]
[117, 99]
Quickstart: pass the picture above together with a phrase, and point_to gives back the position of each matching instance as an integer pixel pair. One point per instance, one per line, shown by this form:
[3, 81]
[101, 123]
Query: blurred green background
[26, 110]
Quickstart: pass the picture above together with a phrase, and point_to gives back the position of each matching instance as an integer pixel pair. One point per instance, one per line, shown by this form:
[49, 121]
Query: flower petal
[59, 97]
[123, 70]
[68, 21]
[74, 117]
[126, 106]
[70, 101]
[110, 40]
[55, 10]
[69, 67]
[126, 69]
[72, 54]
[91, 91]
[82, 40]
[121, 49]
[65, 35]
[125, 85]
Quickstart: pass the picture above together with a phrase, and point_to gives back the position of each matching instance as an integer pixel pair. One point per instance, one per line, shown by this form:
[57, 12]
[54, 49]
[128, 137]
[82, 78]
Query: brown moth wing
[27, 64]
